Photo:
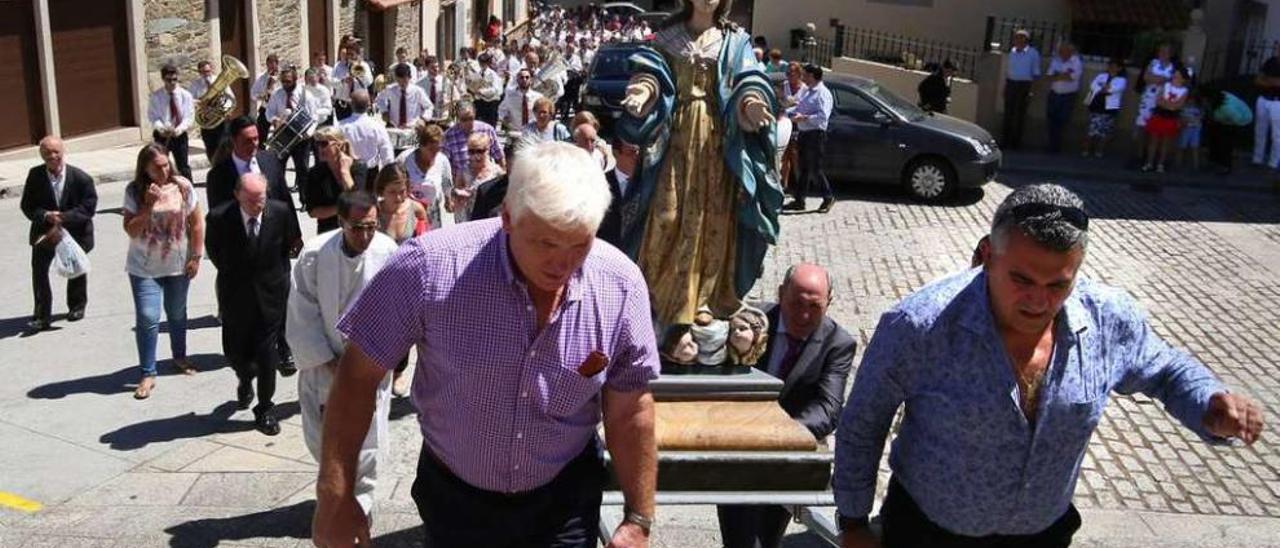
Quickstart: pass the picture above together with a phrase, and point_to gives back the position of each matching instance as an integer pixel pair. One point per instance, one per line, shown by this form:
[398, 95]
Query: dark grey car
[876, 136]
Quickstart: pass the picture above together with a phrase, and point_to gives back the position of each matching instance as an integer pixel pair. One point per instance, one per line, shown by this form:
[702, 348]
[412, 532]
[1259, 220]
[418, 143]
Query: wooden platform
[729, 426]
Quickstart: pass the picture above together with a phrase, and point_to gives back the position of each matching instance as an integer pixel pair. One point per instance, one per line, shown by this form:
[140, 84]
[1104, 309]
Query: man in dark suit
[57, 196]
[244, 158]
[250, 241]
[223, 177]
[623, 212]
[812, 355]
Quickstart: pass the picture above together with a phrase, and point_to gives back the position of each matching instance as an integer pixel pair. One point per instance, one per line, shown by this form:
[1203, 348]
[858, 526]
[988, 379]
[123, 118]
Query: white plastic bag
[69, 260]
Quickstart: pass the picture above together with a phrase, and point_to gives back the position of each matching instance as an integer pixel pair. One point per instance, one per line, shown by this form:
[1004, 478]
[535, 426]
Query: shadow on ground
[186, 426]
[17, 326]
[290, 522]
[122, 381]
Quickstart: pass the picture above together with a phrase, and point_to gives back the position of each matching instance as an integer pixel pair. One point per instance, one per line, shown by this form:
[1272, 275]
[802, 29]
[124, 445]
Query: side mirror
[882, 118]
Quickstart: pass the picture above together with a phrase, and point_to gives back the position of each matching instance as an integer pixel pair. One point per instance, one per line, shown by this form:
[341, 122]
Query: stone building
[82, 69]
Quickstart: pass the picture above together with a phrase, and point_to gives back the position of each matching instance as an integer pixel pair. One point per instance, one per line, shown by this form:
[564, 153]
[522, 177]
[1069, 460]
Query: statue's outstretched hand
[641, 92]
[755, 114]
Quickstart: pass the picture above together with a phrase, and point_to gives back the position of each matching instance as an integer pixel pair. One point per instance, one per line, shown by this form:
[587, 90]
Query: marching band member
[489, 93]
[552, 88]
[212, 137]
[403, 104]
[432, 82]
[319, 97]
[516, 110]
[261, 91]
[344, 82]
[320, 62]
[171, 111]
[286, 100]
[402, 58]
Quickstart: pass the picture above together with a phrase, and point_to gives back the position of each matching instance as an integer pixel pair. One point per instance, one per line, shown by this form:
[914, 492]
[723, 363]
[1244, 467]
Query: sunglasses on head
[1074, 216]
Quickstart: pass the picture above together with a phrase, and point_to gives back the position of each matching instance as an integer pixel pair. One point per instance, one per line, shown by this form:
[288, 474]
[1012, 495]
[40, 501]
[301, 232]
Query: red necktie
[794, 346]
[288, 100]
[524, 109]
[404, 107]
[174, 114]
[435, 97]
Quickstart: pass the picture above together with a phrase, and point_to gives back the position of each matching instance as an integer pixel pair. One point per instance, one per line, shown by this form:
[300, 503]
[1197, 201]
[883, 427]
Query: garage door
[91, 64]
[21, 106]
[232, 18]
[317, 30]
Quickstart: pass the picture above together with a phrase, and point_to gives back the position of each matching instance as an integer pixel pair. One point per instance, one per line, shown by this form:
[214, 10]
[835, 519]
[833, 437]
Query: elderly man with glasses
[1004, 371]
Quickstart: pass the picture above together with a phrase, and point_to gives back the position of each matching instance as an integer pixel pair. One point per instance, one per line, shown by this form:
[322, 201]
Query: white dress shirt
[200, 85]
[1071, 66]
[574, 62]
[417, 104]
[159, 115]
[342, 90]
[319, 100]
[430, 84]
[56, 180]
[264, 86]
[323, 74]
[509, 116]
[514, 66]
[391, 71]
[278, 108]
[249, 230]
[369, 140]
[492, 90]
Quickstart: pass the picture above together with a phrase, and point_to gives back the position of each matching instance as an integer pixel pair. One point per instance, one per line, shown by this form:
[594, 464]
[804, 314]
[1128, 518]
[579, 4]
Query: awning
[1168, 14]
[383, 5]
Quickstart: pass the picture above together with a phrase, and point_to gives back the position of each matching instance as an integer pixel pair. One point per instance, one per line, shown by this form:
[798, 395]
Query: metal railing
[1237, 59]
[891, 49]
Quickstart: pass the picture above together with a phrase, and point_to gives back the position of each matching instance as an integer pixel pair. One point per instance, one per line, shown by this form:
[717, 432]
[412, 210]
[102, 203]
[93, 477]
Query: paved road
[185, 469]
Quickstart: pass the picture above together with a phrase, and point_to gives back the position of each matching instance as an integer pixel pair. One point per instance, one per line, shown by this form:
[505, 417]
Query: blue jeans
[148, 294]
[1058, 107]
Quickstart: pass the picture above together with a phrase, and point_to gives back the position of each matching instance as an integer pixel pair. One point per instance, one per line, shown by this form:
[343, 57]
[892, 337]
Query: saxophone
[212, 107]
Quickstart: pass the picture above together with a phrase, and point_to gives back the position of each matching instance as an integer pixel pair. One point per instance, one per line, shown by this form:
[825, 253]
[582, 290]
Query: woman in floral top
[166, 242]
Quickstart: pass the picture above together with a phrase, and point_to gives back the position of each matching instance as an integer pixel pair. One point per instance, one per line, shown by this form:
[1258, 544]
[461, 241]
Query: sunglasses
[1074, 216]
[477, 151]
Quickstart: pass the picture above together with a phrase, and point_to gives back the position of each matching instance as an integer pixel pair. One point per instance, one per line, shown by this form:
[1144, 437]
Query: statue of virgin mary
[700, 105]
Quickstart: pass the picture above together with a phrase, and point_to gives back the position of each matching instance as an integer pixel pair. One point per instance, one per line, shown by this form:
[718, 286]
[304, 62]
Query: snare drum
[298, 129]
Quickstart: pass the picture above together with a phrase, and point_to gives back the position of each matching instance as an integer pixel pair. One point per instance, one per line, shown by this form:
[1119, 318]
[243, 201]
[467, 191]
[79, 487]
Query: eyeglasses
[1074, 216]
[477, 151]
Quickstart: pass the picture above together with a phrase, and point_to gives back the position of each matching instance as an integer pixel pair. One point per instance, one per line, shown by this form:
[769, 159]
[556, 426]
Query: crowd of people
[525, 249]
[1176, 116]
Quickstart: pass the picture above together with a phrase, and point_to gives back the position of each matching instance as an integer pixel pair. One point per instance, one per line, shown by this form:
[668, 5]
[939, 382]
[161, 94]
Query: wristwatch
[631, 516]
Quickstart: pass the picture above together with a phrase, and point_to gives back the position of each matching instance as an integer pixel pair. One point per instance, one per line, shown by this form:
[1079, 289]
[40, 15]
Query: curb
[99, 179]
[1124, 177]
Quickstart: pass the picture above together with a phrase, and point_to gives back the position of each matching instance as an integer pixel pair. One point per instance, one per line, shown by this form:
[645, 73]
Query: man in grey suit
[812, 355]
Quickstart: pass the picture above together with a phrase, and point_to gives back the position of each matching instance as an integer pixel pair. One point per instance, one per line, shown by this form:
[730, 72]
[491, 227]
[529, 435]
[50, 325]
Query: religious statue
[700, 107]
[748, 335]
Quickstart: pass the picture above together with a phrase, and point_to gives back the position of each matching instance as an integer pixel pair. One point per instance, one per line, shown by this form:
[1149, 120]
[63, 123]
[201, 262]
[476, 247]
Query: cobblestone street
[185, 469]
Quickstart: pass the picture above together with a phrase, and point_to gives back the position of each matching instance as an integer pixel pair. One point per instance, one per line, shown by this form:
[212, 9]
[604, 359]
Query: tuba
[212, 107]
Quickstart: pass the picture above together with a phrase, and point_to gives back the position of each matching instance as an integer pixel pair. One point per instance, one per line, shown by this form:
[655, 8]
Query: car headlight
[592, 100]
[979, 147]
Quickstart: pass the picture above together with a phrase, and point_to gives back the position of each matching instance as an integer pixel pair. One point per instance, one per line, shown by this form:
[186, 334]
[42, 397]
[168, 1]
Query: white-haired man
[508, 413]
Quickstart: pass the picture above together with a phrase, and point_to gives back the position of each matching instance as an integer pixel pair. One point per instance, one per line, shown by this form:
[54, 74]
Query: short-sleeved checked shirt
[455, 144]
[502, 405]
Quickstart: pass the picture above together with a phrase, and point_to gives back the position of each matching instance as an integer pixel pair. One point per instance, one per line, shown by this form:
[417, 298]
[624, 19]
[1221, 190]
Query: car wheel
[929, 179]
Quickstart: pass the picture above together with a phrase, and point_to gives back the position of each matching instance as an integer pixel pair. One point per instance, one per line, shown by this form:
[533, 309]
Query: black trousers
[487, 112]
[813, 181]
[77, 289]
[259, 363]
[564, 513]
[752, 526]
[300, 154]
[264, 128]
[1016, 96]
[178, 147]
[568, 104]
[212, 139]
[906, 526]
[1220, 139]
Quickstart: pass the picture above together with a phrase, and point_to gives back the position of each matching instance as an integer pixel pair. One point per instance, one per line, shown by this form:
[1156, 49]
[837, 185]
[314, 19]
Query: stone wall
[408, 27]
[279, 31]
[175, 32]
[347, 17]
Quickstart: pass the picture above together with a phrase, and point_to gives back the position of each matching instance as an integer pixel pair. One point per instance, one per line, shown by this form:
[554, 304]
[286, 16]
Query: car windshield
[612, 65]
[903, 107]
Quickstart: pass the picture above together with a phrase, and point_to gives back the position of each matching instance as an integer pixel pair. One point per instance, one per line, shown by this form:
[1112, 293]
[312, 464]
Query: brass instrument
[548, 76]
[359, 70]
[213, 106]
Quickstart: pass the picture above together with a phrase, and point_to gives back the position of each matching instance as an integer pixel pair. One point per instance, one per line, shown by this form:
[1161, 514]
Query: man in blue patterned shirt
[1004, 371]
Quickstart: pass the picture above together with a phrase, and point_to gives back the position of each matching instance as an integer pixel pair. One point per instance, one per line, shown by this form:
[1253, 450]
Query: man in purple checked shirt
[526, 334]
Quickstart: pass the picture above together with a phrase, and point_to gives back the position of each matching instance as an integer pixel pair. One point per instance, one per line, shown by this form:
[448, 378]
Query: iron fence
[1238, 59]
[891, 49]
[1130, 43]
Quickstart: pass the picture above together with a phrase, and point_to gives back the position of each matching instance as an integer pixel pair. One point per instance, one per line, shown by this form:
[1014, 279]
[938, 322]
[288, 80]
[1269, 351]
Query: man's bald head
[52, 152]
[251, 193]
[804, 296]
[360, 101]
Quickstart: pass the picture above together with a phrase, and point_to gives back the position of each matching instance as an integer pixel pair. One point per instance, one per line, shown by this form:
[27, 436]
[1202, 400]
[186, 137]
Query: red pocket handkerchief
[594, 363]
